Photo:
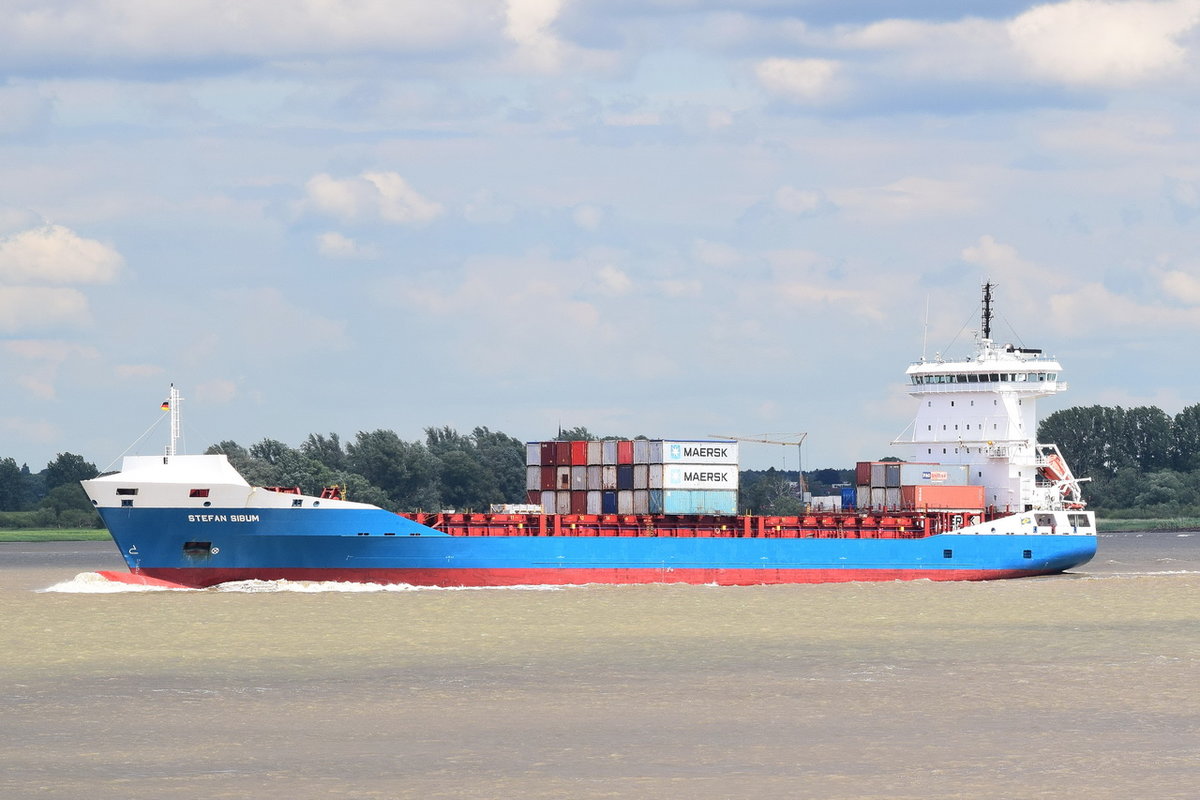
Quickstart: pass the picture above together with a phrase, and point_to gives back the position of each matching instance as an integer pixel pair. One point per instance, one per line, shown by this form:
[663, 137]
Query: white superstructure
[981, 412]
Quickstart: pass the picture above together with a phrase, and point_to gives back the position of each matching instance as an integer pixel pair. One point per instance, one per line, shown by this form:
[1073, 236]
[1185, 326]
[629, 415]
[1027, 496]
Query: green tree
[68, 468]
[407, 472]
[1185, 432]
[326, 450]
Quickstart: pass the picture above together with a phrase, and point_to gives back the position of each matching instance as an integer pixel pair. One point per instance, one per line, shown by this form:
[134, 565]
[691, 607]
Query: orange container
[942, 497]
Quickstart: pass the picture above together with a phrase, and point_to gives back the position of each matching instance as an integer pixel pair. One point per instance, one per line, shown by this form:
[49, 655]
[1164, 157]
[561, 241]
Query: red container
[548, 457]
[942, 498]
[579, 502]
[624, 452]
[578, 453]
[562, 453]
[862, 473]
[533, 497]
[549, 478]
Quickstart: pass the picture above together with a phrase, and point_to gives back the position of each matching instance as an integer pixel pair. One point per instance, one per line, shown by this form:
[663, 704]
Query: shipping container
[548, 454]
[862, 497]
[641, 476]
[534, 498]
[579, 478]
[549, 477]
[594, 454]
[579, 454]
[595, 476]
[701, 476]
[625, 502]
[849, 497]
[641, 501]
[878, 474]
[608, 453]
[943, 497]
[533, 478]
[608, 477]
[641, 451]
[862, 473]
[687, 501]
[549, 501]
[933, 474]
[656, 451]
[624, 452]
[563, 479]
[892, 497]
[595, 504]
[562, 502]
[878, 497]
[562, 453]
[656, 501]
[699, 452]
[533, 453]
[892, 476]
[654, 477]
[625, 478]
[608, 502]
[579, 502]
[826, 502]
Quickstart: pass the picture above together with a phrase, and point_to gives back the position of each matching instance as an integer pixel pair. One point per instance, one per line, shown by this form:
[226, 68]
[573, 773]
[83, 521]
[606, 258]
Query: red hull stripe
[567, 577]
[141, 579]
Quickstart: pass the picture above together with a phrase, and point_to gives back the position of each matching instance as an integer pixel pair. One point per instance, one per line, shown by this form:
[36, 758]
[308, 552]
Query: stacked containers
[915, 485]
[638, 476]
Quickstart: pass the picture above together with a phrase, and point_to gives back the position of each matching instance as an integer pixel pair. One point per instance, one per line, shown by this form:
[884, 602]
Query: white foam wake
[95, 583]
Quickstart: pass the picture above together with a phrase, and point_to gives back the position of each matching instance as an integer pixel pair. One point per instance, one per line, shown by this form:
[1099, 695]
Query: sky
[670, 218]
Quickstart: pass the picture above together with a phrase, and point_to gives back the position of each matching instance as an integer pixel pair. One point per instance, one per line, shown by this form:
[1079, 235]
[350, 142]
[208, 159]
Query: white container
[594, 475]
[595, 452]
[641, 478]
[641, 501]
[641, 451]
[579, 478]
[654, 477]
[593, 502]
[549, 501]
[562, 478]
[699, 452]
[625, 502]
[533, 453]
[608, 452]
[533, 478]
[608, 476]
[723, 477]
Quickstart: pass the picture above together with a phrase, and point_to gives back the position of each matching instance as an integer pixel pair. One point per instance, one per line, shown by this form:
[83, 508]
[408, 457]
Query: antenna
[173, 400]
[925, 335]
[987, 310]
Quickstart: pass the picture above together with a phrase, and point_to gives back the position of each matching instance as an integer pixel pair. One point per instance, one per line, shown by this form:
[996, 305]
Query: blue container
[656, 501]
[608, 502]
[849, 497]
[624, 477]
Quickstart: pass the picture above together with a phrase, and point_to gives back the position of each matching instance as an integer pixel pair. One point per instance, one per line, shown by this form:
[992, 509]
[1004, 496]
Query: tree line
[1141, 461]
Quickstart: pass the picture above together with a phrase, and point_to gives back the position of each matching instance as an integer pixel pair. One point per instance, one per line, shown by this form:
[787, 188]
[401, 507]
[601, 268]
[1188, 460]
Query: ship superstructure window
[198, 493]
[126, 504]
[123, 490]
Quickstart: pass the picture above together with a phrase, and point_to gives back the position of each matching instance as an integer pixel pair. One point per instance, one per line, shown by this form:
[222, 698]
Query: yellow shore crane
[793, 440]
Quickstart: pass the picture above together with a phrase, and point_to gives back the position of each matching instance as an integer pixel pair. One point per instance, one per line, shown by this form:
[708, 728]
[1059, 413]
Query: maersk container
[549, 452]
[579, 454]
[533, 453]
[933, 474]
[595, 452]
[654, 477]
[641, 476]
[687, 501]
[563, 478]
[608, 477]
[700, 452]
[562, 502]
[641, 451]
[579, 478]
[641, 501]
[624, 452]
[595, 502]
[701, 476]
[533, 478]
[608, 452]
[608, 502]
[624, 478]
[595, 475]
[625, 502]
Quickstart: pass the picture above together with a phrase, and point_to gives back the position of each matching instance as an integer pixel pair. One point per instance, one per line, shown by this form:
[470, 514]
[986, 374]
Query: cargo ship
[978, 498]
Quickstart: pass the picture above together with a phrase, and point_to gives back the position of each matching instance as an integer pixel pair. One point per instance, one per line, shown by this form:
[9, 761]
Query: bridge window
[126, 491]
[198, 493]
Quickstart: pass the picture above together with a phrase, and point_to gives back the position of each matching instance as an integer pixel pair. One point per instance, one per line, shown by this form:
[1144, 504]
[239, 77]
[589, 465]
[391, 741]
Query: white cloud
[905, 199]
[335, 245]
[613, 280]
[45, 357]
[803, 80]
[54, 254]
[27, 308]
[1182, 286]
[588, 217]
[801, 202]
[528, 23]
[1098, 43]
[138, 370]
[219, 391]
[372, 195]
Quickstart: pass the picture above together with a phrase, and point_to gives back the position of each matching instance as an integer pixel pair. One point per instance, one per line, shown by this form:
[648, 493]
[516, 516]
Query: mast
[987, 311]
[173, 404]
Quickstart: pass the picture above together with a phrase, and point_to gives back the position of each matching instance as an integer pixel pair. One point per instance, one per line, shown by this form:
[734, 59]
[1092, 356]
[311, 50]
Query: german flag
[166, 405]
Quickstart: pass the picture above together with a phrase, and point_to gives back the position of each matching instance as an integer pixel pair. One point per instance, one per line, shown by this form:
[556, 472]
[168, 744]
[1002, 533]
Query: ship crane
[795, 440]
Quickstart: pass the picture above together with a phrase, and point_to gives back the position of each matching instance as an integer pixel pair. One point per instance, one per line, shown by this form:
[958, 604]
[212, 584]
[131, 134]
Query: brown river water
[1084, 685]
